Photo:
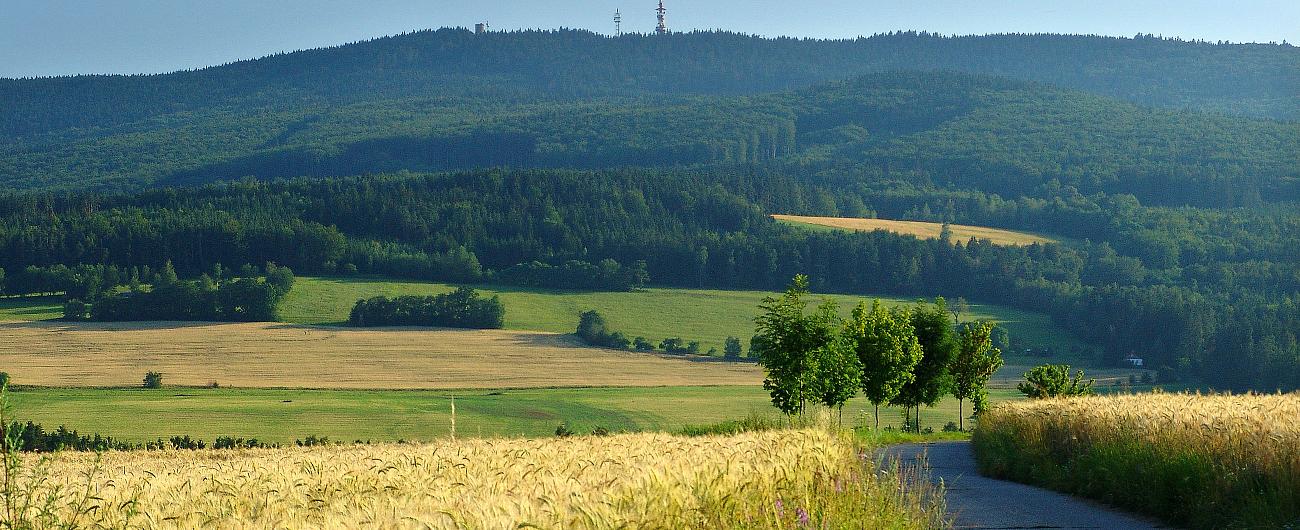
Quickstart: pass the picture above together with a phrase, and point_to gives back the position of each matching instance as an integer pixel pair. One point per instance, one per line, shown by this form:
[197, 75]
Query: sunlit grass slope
[709, 316]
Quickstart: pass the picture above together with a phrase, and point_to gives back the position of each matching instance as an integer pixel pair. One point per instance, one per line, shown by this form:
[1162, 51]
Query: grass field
[20, 308]
[269, 355]
[709, 316]
[139, 415]
[920, 229]
[772, 479]
[1237, 457]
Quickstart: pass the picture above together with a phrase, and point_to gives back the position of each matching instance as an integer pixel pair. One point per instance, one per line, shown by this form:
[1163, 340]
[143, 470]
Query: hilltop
[1248, 79]
[956, 130]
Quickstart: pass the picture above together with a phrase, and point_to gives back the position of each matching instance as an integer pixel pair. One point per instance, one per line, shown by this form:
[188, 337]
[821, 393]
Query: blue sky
[56, 37]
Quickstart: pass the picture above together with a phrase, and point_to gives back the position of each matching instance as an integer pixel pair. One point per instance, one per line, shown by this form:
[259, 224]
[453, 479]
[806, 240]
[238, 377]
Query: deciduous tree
[887, 349]
[975, 362]
[931, 379]
[791, 342]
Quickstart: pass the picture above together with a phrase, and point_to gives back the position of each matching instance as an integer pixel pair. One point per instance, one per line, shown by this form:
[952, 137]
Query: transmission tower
[662, 28]
[618, 23]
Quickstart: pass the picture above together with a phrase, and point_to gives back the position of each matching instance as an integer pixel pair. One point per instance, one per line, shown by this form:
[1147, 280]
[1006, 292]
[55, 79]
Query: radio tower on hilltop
[662, 28]
[618, 24]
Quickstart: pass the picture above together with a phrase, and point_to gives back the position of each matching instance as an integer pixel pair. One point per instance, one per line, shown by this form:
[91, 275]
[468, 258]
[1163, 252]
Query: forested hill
[1247, 79]
[947, 129]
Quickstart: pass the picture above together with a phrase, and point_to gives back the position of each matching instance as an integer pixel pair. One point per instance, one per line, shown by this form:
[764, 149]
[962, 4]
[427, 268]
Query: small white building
[1134, 361]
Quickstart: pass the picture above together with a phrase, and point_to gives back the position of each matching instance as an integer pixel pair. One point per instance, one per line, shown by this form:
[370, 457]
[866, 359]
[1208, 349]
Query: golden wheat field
[1260, 430]
[1237, 456]
[921, 229]
[758, 480]
[270, 355]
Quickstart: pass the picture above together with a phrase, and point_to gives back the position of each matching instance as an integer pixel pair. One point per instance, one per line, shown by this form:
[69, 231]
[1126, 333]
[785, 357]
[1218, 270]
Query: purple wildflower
[780, 508]
[803, 516]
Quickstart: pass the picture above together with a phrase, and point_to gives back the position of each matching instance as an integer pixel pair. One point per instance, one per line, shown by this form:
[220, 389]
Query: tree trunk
[918, 419]
[877, 415]
[961, 416]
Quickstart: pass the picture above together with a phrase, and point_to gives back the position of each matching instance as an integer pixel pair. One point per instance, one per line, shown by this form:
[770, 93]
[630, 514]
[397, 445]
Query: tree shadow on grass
[63, 325]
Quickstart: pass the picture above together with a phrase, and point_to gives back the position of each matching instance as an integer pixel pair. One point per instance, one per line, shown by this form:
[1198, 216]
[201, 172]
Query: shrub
[1053, 380]
[185, 442]
[591, 328]
[228, 442]
[732, 349]
[753, 422]
[153, 380]
[312, 441]
[642, 344]
[75, 310]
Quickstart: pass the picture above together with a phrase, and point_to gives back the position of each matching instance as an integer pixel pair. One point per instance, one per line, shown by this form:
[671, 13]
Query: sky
[62, 37]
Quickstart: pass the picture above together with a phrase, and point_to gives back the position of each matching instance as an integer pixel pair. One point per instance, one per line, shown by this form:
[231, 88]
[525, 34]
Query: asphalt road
[975, 501]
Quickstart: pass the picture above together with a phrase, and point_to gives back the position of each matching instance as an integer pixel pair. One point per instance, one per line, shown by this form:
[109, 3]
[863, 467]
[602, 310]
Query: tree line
[906, 356]
[1211, 296]
[221, 297]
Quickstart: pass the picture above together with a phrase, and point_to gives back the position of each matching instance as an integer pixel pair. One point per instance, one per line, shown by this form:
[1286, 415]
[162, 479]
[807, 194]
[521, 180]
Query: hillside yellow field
[921, 229]
[270, 355]
[776, 479]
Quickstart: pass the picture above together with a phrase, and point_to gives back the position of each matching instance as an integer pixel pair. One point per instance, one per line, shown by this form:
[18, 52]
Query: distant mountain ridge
[1244, 79]
[954, 130]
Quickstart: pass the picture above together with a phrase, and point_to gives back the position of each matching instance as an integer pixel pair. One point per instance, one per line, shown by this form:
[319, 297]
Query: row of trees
[608, 275]
[906, 356]
[462, 308]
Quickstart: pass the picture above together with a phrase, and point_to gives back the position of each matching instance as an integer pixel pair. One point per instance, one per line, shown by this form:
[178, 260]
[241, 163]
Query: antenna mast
[618, 23]
[662, 28]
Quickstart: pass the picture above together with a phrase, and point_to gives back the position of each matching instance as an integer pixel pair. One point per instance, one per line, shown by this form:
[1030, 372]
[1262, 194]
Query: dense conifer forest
[568, 159]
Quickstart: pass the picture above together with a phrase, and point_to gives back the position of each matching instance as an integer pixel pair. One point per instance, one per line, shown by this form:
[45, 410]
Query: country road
[975, 501]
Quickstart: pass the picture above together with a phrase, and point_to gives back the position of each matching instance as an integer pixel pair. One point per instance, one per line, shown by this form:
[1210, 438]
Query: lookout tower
[662, 28]
[481, 28]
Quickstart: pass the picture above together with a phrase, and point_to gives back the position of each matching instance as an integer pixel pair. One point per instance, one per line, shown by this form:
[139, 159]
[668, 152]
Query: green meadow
[282, 416]
[709, 316]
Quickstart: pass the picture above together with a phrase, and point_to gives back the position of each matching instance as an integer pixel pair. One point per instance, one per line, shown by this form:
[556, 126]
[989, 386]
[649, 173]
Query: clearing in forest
[920, 229]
